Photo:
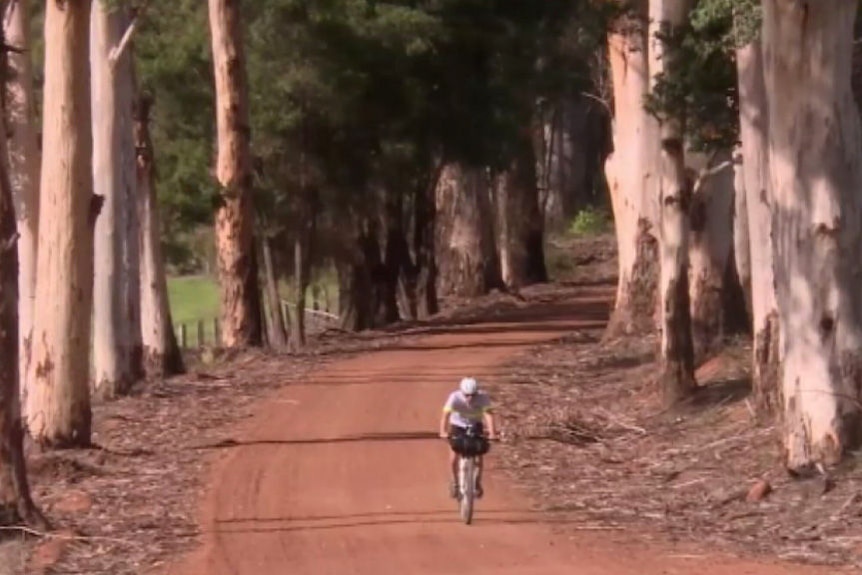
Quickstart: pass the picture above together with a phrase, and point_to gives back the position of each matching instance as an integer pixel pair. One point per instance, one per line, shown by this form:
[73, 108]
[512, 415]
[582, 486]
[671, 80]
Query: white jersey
[463, 413]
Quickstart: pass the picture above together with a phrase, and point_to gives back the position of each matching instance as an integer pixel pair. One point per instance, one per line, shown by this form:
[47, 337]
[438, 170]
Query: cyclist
[464, 408]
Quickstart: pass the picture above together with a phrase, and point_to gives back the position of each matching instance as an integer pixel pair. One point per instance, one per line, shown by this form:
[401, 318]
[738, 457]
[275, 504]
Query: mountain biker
[464, 408]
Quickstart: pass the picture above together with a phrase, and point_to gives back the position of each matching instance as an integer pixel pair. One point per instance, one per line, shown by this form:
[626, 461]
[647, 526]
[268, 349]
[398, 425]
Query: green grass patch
[194, 299]
[590, 221]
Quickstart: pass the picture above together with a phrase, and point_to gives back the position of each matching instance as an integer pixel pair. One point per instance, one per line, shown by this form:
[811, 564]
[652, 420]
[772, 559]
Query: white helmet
[469, 386]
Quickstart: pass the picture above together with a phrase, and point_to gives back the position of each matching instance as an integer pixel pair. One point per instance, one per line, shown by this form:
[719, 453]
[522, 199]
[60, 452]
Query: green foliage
[745, 18]
[699, 83]
[353, 101]
[591, 221]
[175, 68]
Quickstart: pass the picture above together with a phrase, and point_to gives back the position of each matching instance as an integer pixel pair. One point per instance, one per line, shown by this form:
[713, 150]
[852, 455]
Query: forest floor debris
[131, 501]
[605, 451]
[708, 472]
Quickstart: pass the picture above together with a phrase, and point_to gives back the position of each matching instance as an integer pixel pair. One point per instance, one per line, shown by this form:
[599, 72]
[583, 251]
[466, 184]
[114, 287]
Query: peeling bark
[234, 221]
[677, 378]
[765, 320]
[633, 184]
[677, 352]
[58, 405]
[815, 161]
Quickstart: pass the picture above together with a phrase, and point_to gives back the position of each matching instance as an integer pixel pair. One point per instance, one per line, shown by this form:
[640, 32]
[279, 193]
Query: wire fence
[206, 332]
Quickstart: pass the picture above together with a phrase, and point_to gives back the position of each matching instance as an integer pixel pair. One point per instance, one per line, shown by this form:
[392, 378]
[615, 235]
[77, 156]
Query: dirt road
[344, 475]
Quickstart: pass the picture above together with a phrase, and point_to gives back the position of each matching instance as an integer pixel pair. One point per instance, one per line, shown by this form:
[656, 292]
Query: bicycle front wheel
[468, 488]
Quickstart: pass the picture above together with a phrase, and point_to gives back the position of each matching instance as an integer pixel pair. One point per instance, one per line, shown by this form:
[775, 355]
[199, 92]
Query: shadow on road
[364, 437]
[490, 516]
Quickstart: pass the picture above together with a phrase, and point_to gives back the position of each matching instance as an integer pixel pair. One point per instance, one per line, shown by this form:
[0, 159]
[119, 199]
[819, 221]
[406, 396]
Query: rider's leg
[479, 489]
[453, 463]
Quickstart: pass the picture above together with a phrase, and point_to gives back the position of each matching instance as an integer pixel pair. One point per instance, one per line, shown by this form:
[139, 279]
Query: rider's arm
[444, 423]
[444, 418]
[490, 423]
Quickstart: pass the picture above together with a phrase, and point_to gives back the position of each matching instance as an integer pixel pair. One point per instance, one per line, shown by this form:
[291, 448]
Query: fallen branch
[628, 426]
[46, 535]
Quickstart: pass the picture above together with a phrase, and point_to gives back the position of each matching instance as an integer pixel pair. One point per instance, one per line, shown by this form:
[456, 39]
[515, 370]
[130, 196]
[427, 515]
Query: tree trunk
[633, 184]
[58, 405]
[675, 196]
[815, 159]
[520, 228]
[423, 245]
[24, 161]
[303, 256]
[741, 234]
[467, 264]
[161, 354]
[275, 320]
[16, 505]
[116, 288]
[563, 164]
[356, 302]
[234, 221]
[396, 261]
[300, 257]
[710, 250]
[766, 360]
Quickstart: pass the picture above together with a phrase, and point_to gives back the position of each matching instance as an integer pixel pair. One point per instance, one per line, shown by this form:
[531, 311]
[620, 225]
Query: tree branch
[598, 99]
[707, 173]
[118, 50]
[715, 170]
[9, 243]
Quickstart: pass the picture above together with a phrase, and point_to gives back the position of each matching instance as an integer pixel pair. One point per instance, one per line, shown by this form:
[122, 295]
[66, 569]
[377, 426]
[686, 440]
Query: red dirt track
[344, 475]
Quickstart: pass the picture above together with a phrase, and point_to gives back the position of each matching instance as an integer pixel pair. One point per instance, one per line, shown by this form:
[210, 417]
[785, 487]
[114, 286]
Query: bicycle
[474, 444]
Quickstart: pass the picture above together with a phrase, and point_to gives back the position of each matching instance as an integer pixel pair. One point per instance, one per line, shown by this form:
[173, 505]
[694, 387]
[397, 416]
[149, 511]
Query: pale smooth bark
[467, 264]
[675, 196]
[234, 220]
[741, 234]
[24, 161]
[815, 166]
[710, 248]
[58, 404]
[766, 359]
[632, 180]
[116, 290]
[161, 353]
